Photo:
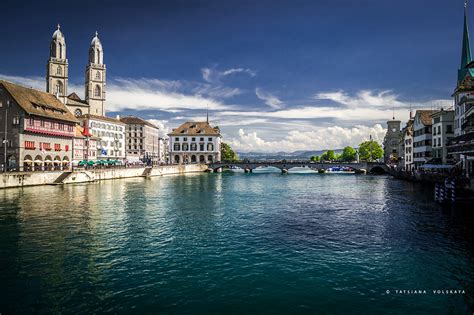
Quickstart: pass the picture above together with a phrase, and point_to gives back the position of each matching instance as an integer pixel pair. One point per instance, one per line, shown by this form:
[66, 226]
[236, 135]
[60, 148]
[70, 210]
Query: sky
[273, 75]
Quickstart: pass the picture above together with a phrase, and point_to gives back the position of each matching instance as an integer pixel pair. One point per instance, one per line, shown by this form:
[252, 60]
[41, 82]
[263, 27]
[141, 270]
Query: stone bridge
[248, 167]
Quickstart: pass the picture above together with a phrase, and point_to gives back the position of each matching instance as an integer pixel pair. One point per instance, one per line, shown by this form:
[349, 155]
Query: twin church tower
[57, 77]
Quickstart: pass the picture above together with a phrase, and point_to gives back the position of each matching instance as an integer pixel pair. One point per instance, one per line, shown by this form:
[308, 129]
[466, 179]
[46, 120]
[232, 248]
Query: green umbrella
[81, 163]
[91, 162]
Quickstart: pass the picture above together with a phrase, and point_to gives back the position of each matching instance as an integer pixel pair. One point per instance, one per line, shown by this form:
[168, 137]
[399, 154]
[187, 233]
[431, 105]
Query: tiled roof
[192, 128]
[102, 118]
[74, 99]
[425, 116]
[133, 120]
[37, 102]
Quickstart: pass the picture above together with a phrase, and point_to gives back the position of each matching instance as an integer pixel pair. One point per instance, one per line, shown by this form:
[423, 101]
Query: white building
[443, 132]
[110, 133]
[194, 142]
[143, 140]
[408, 145]
[422, 137]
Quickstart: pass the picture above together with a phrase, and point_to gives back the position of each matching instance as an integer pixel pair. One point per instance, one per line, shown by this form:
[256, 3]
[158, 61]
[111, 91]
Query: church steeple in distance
[466, 57]
[57, 67]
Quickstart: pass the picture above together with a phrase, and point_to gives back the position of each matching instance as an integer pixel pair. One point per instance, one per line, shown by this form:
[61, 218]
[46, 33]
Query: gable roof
[74, 99]
[38, 103]
[133, 120]
[192, 128]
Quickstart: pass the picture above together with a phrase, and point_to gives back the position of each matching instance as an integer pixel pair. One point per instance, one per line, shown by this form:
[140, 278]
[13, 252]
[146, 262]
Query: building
[110, 134]
[392, 140]
[422, 137]
[143, 140]
[442, 133]
[408, 145]
[194, 142]
[57, 77]
[84, 145]
[39, 129]
[462, 145]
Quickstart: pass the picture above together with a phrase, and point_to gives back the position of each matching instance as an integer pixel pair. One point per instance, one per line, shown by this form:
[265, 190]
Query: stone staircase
[62, 177]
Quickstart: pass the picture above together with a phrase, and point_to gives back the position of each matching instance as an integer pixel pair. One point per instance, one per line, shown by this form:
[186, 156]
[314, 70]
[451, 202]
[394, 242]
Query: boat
[340, 170]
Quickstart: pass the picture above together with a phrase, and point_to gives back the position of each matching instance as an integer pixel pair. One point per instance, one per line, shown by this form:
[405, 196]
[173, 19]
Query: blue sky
[275, 75]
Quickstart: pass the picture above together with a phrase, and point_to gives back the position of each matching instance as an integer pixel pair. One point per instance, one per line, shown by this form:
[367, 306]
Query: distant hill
[296, 155]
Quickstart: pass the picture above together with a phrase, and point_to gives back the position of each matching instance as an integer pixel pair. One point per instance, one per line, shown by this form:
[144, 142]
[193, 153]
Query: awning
[38, 161]
[56, 162]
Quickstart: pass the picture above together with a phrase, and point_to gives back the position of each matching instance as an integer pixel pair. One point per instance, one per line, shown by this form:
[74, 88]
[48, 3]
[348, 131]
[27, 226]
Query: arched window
[60, 51]
[53, 50]
[210, 147]
[78, 112]
[97, 91]
[59, 87]
[59, 71]
[98, 55]
[97, 75]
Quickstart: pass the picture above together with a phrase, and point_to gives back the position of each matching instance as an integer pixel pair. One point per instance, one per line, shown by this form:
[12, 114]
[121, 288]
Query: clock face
[394, 129]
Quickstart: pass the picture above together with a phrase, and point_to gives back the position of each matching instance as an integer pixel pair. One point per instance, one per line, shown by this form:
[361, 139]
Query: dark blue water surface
[234, 244]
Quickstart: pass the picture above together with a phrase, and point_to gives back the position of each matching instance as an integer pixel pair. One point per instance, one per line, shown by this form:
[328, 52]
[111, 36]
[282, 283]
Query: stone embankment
[22, 179]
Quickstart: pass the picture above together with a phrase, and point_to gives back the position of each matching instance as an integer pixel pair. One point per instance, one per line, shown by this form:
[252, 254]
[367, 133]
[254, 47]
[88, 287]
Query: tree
[370, 151]
[328, 156]
[227, 154]
[315, 158]
[348, 154]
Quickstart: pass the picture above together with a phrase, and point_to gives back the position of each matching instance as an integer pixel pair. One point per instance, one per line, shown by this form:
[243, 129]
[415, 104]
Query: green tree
[348, 154]
[315, 158]
[328, 156]
[370, 151]
[227, 154]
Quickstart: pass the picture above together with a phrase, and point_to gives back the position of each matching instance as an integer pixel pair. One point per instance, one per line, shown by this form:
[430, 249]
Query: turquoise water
[234, 244]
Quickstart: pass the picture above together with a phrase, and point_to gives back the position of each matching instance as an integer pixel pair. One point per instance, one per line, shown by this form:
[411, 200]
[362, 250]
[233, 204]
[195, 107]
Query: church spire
[466, 57]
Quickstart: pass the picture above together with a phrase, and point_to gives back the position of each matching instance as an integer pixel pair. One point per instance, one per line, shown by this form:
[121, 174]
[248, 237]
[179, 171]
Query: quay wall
[21, 179]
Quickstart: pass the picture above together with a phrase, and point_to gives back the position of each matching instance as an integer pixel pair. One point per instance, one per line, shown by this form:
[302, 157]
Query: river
[235, 244]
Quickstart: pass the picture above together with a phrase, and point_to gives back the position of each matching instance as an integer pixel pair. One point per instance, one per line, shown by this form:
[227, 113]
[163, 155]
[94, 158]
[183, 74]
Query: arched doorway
[27, 163]
[38, 163]
[176, 159]
[66, 163]
[202, 159]
[193, 159]
[48, 163]
[57, 163]
[209, 158]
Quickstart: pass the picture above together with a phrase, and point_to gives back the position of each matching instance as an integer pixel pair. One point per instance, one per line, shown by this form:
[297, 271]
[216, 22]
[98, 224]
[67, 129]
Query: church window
[59, 87]
[97, 91]
[97, 75]
[60, 51]
[98, 56]
[59, 71]
[78, 112]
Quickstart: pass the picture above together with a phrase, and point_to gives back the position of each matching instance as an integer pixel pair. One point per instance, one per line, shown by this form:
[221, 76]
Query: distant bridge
[248, 167]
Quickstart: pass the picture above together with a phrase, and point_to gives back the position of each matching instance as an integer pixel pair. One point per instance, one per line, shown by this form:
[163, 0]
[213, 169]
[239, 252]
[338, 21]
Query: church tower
[95, 78]
[57, 68]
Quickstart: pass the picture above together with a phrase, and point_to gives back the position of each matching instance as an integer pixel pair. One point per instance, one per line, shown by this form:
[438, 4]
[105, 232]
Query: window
[59, 87]
[16, 120]
[185, 139]
[97, 75]
[193, 147]
[201, 139]
[210, 147]
[97, 91]
[29, 145]
[209, 139]
[193, 139]
[59, 71]
[185, 147]
[77, 112]
[176, 147]
[176, 139]
[201, 147]
[57, 147]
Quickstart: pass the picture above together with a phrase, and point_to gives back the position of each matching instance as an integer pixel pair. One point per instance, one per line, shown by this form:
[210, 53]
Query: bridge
[248, 167]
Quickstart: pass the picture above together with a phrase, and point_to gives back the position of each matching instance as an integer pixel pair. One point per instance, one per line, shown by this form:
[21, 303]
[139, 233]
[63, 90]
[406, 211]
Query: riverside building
[443, 132]
[391, 141]
[408, 145]
[84, 145]
[195, 142]
[143, 140]
[422, 137]
[110, 133]
[37, 130]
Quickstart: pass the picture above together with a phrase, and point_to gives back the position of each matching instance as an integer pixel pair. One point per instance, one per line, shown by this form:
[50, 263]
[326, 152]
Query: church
[57, 77]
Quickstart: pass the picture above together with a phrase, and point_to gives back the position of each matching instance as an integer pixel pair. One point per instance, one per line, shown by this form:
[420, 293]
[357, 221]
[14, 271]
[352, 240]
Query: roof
[74, 99]
[133, 120]
[425, 116]
[466, 57]
[38, 103]
[102, 118]
[192, 128]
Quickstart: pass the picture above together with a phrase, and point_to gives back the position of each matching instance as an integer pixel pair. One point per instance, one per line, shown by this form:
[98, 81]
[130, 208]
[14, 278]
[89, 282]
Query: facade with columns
[57, 77]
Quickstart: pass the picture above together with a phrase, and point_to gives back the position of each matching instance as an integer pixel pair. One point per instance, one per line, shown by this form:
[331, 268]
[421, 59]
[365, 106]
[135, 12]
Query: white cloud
[364, 98]
[269, 99]
[162, 125]
[318, 139]
[214, 76]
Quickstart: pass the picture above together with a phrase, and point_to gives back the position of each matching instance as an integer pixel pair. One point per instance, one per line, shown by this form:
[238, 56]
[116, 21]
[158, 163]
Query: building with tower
[392, 140]
[57, 77]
